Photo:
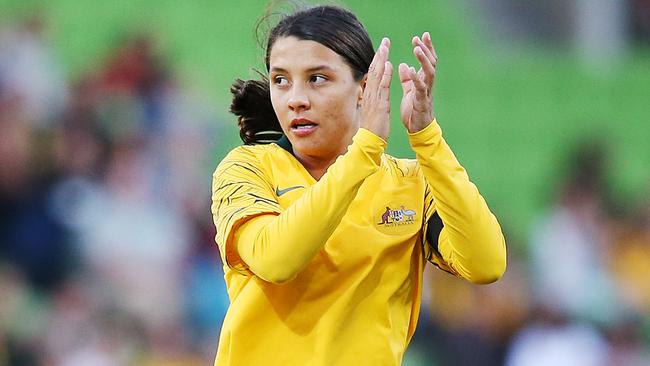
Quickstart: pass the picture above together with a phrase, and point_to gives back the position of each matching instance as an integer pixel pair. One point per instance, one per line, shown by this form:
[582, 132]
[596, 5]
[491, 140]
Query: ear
[362, 88]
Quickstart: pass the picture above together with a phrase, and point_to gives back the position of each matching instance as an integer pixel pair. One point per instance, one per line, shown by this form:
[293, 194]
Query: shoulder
[248, 154]
[246, 160]
[405, 168]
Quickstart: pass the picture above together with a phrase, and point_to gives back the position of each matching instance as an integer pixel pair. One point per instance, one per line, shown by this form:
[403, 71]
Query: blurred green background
[104, 174]
[511, 110]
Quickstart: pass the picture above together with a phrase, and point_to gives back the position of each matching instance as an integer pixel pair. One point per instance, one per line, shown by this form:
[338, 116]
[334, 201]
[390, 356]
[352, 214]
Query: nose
[298, 100]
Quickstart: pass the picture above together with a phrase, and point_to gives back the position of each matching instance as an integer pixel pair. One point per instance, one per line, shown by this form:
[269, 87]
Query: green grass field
[511, 114]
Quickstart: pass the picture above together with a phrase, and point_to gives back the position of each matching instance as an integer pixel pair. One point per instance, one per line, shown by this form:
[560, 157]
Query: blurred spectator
[29, 72]
[31, 237]
[85, 331]
[589, 268]
[631, 264]
[103, 203]
[631, 269]
[552, 339]
[23, 317]
[465, 316]
[569, 246]
[136, 85]
[206, 301]
[627, 348]
[640, 14]
[134, 244]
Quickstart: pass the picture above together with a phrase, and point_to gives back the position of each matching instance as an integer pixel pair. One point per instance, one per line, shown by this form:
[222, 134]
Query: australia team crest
[397, 217]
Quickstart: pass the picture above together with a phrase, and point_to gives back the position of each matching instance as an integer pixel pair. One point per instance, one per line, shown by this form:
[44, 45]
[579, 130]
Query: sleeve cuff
[365, 138]
[427, 135]
[370, 145]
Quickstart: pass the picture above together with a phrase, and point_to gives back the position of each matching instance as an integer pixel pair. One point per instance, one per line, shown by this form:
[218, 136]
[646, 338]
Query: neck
[316, 166]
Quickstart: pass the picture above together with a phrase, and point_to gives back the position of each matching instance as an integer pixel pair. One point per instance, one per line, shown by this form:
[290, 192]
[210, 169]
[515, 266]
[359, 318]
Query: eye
[317, 79]
[280, 80]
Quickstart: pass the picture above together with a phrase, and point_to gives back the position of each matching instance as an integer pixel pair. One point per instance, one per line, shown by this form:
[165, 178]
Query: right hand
[375, 104]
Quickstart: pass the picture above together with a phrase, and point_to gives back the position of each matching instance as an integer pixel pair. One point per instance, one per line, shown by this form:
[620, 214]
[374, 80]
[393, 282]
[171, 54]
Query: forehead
[292, 53]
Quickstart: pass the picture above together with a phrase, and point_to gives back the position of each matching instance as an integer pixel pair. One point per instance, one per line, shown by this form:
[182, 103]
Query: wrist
[415, 127]
[430, 134]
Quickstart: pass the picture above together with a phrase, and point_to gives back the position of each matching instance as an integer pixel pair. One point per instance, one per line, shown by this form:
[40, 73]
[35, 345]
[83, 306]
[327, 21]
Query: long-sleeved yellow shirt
[330, 272]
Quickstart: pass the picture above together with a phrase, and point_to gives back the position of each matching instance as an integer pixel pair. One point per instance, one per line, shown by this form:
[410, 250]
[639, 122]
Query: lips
[302, 127]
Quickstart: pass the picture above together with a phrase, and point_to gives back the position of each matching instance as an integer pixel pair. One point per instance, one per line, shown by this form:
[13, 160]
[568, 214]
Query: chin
[307, 148]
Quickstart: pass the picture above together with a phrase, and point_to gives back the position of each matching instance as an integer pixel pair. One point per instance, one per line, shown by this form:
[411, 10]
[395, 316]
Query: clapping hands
[416, 108]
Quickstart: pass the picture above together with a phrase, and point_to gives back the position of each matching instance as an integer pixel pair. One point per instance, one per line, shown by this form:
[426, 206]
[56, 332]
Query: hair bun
[251, 103]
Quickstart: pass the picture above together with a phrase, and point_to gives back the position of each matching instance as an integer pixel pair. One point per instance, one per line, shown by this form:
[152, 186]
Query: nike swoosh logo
[279, 192]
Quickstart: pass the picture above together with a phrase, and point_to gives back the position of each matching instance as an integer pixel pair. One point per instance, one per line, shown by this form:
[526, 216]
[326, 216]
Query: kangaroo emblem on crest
[386, 216]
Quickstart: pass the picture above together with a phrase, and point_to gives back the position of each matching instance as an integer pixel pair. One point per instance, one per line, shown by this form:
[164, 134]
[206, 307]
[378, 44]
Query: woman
[323, 236]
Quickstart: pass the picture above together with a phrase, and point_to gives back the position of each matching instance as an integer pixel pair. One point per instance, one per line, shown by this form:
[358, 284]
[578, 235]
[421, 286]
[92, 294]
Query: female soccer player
[323, 236]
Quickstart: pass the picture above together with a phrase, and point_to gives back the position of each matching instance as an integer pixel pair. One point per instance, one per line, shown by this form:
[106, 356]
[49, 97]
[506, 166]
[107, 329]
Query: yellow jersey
[337, 277]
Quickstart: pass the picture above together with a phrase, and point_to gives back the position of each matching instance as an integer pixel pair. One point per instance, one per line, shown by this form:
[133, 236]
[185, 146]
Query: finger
[377, 69]
[374, 61]
[386, 42]
[382, 52]
[421, 90]
[371, 68]
[380, 65]
[428, 75]
[384, 84]
[382, 57]
[426, 38]
[428, 69]
[426, 50]
[404, 78]
[403, 71]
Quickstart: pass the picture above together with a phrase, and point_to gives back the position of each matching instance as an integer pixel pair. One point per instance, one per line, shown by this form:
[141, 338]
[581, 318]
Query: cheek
[279, 107]
[275, 101]
[344, 107]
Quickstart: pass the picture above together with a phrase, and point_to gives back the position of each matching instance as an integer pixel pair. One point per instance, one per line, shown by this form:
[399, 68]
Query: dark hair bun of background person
[251, 103]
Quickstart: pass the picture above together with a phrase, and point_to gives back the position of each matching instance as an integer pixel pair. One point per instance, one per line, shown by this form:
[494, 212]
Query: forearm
[277, 247]
[471, 242]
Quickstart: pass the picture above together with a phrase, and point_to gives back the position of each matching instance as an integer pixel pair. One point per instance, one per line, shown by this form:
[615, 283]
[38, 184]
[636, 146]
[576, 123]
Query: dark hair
[333, 27]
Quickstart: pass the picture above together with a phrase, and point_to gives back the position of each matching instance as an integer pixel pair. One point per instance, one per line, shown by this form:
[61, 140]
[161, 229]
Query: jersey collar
[284, 143]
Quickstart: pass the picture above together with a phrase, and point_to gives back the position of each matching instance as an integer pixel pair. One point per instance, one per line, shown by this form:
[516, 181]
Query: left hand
[416, 109]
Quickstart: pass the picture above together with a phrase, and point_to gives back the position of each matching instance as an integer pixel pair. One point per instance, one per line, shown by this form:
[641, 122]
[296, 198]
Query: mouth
[302, 127]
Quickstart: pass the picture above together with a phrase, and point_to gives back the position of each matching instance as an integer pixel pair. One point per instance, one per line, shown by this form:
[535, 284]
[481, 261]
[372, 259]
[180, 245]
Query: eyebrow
[311, 69]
